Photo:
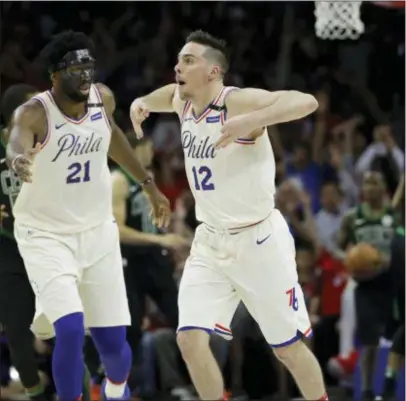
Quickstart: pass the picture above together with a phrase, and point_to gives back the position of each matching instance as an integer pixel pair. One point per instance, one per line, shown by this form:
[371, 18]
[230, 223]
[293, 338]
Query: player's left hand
[234, 128]
[161, 207]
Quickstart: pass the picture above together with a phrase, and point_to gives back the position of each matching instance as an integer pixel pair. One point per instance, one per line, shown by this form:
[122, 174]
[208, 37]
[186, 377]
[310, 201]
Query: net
[338, 19]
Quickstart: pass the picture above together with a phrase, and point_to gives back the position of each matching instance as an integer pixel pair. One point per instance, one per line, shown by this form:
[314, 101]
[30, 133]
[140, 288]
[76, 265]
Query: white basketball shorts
[71, 273]
[256, 265]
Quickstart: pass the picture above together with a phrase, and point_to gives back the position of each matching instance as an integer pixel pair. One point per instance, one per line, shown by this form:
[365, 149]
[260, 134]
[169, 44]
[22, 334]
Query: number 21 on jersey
[202, 177]
[78, 173]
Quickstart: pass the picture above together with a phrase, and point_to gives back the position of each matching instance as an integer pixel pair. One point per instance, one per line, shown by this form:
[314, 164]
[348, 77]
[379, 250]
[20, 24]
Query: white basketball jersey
[234, 186]
[71, 185]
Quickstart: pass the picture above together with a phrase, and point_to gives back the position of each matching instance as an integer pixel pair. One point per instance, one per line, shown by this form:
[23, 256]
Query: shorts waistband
[234, 230]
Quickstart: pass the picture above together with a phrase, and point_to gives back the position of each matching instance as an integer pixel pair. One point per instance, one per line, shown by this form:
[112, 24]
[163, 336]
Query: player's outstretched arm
[162, 100]
[27, 130]
[122, 153]
[270, 108]
[251, 109]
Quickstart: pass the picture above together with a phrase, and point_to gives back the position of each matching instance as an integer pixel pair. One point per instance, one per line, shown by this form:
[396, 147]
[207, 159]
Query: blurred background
[321, 159]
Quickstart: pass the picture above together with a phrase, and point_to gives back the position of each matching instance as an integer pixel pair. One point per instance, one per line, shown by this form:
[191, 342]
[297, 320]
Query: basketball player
[17, 304]
[242, 249]
[64, 224]
[374, 222]
[148, 267]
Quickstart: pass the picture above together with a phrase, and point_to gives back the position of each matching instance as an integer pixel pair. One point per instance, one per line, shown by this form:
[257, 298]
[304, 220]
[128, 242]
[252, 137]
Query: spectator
[295, 205]
[328, 219]
[383, 155]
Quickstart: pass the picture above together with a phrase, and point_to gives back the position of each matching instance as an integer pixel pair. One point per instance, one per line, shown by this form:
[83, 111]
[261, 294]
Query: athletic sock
[67, 358]
[114, 390]
[115, 354]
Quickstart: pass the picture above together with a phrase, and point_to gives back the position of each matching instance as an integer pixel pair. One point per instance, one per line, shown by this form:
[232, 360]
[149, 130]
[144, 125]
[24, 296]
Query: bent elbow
[310, 103]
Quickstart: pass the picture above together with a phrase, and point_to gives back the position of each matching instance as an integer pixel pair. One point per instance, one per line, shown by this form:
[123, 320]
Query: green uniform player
[373, 222]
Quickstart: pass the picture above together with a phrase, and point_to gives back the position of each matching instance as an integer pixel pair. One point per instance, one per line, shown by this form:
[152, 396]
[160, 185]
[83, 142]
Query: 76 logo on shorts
[293, 301]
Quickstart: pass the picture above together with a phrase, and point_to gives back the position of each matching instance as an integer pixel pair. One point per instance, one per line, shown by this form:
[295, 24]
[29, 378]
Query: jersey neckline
[207, 109]
[69, 119]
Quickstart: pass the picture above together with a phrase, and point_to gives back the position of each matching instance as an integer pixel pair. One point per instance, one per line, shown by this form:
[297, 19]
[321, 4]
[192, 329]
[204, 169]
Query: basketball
[362, 260]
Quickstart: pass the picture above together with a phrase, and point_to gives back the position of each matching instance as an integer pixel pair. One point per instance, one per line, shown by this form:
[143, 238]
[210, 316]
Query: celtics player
[17, 303]
[148, 266]
[374, 222]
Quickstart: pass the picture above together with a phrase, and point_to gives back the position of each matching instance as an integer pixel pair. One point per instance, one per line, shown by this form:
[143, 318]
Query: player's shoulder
[118, 175]
[107, 97]
[103, 89]
[30, 114]
[245, 100]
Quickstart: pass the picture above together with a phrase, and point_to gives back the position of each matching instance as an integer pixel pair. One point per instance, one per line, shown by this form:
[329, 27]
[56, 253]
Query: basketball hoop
[338, 19]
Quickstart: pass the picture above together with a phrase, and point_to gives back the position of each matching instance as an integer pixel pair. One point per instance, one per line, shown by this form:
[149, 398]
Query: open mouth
[85, 87]
[180, 82]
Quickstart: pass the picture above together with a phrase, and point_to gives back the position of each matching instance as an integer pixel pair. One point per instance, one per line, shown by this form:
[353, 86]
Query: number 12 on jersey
[201, 178]
[76, 174]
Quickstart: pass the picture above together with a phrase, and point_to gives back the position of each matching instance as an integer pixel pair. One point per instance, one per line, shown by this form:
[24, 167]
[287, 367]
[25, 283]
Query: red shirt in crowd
[332, 278]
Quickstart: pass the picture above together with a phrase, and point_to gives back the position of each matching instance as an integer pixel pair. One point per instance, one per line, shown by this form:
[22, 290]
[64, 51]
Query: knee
[193, 342]
[288, 354]
[109, 340]
[70, 328]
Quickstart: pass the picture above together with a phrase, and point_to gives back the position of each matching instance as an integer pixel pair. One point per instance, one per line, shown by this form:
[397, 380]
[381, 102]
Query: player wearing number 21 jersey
[242, 250]
[59, 144]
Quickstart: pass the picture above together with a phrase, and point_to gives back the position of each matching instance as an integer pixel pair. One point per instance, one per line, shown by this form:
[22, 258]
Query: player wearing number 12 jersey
[59, 144]
[242, 249]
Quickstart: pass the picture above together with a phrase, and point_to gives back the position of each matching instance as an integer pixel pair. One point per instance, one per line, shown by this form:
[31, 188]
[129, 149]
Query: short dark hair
[14, 97]
[63, 43]
[217, 48]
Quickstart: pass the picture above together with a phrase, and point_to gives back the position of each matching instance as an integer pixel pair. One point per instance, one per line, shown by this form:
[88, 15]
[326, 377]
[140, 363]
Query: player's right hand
[160, 206]
[22, 164]
[173, 241]
[138, 113]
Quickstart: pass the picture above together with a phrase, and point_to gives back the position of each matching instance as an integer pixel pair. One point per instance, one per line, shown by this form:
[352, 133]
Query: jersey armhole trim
[223, 117]
[48, 120]
[99, 97]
